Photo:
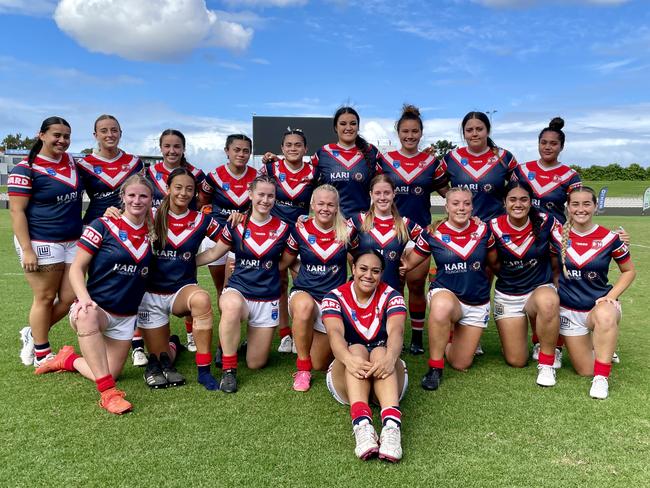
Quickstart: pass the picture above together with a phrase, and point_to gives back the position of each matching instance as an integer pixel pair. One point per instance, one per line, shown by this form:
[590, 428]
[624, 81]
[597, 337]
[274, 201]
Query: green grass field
[490, 426]
[620, 188]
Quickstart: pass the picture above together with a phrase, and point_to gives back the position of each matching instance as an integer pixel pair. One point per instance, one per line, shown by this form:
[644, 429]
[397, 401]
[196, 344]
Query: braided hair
[566, 228]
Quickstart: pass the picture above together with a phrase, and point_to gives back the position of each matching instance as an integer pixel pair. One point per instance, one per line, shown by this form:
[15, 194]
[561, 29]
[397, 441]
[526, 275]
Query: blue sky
[205, 67]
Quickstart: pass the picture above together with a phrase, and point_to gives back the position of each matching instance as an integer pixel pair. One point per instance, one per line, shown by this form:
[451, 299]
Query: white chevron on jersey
[409, 176]
[541, 190]
[260, 249]
[292, 192]
[238, 200]
[518, 250]
[136, 252]
[115, 180]
[324, 254]
[177, 240]
[463, 251]
[335, 154]
[477, 174]
[70, 180]
[369, 331]
[159, 182]
[382, 239]
[581, 260]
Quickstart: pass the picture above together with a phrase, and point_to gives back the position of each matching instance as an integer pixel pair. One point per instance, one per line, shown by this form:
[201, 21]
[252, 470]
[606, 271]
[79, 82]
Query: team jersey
[550, 186]
[258, 250]
[118, 270]
[175, 265]
[229, 193]
[383, 237]
[524, 257]
[54, 190]
[102, 179]
[349, 172]
[460, 256]
[485, 175]
[415, 178]
[364, 324]
[588, 257]
[323, 259]
[293, 189]
[158, 174]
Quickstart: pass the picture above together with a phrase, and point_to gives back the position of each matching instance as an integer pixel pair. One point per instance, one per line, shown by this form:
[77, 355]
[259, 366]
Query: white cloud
[148, 30]
[27, 7]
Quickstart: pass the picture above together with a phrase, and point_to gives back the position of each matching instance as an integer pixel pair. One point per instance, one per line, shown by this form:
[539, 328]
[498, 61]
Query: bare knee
[256, 363]
[516, 360]
[87, 323]
[199, 302]
[461, 364]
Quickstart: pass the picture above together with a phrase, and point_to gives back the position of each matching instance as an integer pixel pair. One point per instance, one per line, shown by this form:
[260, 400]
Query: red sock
[417, 312]
[229, 362]
[437, 363]
[535, 339]
[303, 364]
[137, 334]
[204, 359]
[284, 332]
[188, 325]
[105, 383]
[602, 369]
[360, 411]
[560, 341]
[68, 365]
[391, 413]
[546, 359]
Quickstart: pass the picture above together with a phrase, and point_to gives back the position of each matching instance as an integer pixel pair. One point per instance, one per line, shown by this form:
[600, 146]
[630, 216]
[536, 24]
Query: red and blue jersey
[550, 186]
[524, 257]
[118, 270]
[460, 256]
[258, 249]
[175, 265]
[54, 190]
[364, 324]
[293, 189]
[415, 177]
[158, 174]
[102, 179]
[349, 171]
[485, 175]
[323, 259]
[228, 192]
[383, 237]
[588, 257]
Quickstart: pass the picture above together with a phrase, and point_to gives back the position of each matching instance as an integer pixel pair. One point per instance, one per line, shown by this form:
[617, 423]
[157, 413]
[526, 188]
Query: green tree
[17, 141]
[443, 146]
[88, 150]
[635, 172]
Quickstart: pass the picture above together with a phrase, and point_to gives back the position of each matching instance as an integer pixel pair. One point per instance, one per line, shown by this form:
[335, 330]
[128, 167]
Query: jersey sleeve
[491, 242]
[620, 251]
[440, 178]
[331, 307]
[199, 177]
[207, 186]
[19, 182]
[213, 231]
[556, 238]
[574, 182]
[511, 162]
[395, 304]
[422, 246]
[92, 237]
[226, 235]
[292, 242]
[414, 230]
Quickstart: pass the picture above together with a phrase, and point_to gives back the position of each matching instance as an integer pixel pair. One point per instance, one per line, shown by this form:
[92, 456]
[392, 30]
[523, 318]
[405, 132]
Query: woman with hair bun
[482, 167]
[415, 175]
[45, 207]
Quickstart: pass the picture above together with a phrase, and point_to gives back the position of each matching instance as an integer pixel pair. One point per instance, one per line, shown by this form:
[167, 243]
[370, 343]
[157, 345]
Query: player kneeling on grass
[365, 319]
[589, 306]
[116, 255]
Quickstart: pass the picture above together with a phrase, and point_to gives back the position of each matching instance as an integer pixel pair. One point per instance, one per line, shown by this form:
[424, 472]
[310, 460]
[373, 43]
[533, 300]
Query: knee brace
[89, 333]
[203, 321]
[193, 294]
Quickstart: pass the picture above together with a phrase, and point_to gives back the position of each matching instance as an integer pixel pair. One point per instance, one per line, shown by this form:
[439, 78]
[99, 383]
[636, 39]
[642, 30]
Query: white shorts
[509, 306]
[155, 308]
[318, 323]
[472, 315]
[208, 243]
[50, 252]
[260, 313]
[574, 322]
[120, 327]
[337, 396]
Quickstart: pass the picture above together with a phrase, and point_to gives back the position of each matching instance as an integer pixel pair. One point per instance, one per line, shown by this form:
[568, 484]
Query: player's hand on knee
[358, 367]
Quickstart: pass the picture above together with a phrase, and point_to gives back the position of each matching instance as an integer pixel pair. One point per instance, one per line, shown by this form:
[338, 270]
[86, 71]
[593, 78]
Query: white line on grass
[640, 245]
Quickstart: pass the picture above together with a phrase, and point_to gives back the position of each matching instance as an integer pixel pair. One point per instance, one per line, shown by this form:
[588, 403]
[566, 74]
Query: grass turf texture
[620, 188]
[490, 426]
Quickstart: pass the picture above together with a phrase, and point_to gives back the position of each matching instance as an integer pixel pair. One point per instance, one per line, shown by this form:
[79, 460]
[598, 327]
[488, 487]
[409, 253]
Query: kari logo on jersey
[126, 269]
[452, 268]
[574, 274]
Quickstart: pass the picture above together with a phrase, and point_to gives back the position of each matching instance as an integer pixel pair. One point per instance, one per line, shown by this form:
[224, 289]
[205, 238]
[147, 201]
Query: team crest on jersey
[592, 275]
[550, 205]
[335, 269]
[597, 244]
[492, 160]
[531, 175]
[51, 171]
[159, 176]
[464, 161]
[123, 235]
[417, 190]
[311, 239]
[446, 238]
[282, 177]
[506, 238]
[97, 170]
[487, 188]
[396, 164]
[336, 153]
[556, 178]
[268, 264]
[476, 265]
[226, 187]
[187, 256]
[144, 271]
[392, 255]
[358, 176]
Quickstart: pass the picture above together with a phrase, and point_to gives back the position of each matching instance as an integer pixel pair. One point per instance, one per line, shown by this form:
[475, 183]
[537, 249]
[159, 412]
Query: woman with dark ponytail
[45, 205]
[482, 167]
[524, 285]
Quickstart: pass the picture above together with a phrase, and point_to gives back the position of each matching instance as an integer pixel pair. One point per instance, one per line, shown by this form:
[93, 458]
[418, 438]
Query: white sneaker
[536, 349]
[599, 387]
[138, 357]
[390, 443]
[191, 345]
[27, 351]
[557, 362]
[286, 344]
[479, 350]
[615, 358]
[545, 375]
[38, 363]
[366, 440]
